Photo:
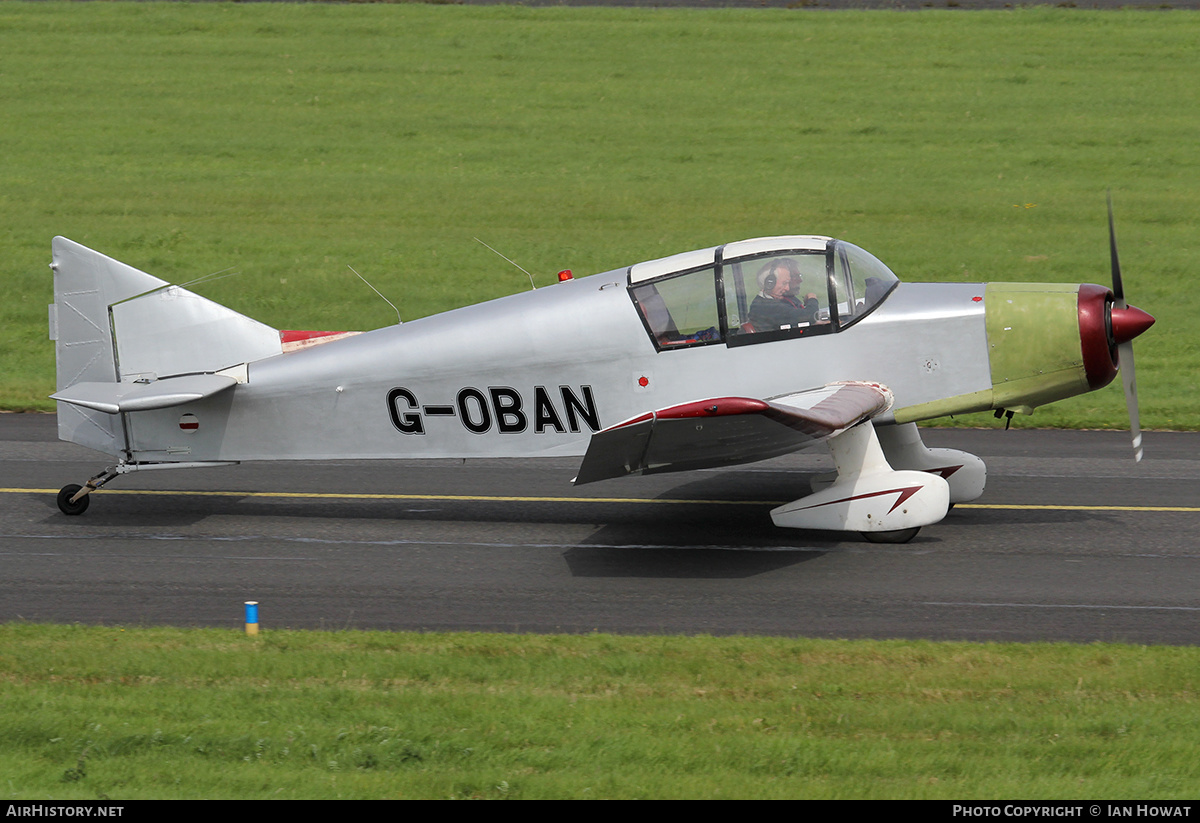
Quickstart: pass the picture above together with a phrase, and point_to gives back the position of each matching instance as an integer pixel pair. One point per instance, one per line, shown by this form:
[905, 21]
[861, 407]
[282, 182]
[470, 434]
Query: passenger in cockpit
[778, 304]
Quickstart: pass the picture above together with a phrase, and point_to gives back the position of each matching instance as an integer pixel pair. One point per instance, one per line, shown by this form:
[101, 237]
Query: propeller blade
[1129, 383]
[1118, 288]
[1127, 323]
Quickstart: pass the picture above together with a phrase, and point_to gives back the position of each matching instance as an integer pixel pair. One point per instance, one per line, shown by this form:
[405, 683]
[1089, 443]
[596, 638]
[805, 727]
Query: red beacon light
[564, 276]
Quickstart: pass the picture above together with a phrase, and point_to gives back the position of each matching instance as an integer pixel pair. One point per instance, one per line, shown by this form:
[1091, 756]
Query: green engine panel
[1034, 352]
[1033, 344]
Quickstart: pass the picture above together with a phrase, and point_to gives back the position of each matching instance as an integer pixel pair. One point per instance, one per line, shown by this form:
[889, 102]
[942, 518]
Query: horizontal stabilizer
[725, 431]
[114, 398]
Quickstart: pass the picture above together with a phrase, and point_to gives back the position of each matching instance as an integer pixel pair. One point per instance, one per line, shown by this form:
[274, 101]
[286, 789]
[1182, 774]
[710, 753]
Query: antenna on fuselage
[377, 291]
[208, 278]
[485, 245]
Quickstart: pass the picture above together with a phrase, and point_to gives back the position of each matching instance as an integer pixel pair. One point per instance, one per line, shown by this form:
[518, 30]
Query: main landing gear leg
[868, 495]
[904, 449]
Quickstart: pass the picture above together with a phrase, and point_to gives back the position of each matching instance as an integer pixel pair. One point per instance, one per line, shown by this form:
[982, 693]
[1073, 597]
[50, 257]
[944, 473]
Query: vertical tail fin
[112, 323]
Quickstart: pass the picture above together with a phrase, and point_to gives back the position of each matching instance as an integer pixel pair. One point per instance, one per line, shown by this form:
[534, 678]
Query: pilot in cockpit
[778, 304]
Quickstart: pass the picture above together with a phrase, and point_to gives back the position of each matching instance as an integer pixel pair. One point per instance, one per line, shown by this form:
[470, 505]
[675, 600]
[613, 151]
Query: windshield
[776, 288]
[861, 274]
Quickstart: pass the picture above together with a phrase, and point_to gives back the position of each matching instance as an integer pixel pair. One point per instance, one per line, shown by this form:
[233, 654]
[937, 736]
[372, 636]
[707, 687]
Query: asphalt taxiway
[1071, 541]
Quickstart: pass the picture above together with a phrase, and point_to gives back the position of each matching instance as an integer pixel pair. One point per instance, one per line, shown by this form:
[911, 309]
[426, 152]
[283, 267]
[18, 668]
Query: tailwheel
[64, 500]
[897, 536]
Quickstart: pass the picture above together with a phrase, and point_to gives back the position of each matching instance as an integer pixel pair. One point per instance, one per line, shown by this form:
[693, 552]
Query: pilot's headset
[766, 279]
[766, 275]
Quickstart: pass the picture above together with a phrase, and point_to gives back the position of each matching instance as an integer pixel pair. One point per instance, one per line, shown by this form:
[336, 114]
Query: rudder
[112, 323]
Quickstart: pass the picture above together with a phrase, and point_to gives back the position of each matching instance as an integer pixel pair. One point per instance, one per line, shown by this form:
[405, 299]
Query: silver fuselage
[537, 373]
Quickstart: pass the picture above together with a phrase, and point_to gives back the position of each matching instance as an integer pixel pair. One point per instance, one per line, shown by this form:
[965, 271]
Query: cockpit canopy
[755, 291]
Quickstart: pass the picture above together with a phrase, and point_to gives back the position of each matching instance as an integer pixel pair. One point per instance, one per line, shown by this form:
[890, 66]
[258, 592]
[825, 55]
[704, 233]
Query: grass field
[287, 141]
[108, 712]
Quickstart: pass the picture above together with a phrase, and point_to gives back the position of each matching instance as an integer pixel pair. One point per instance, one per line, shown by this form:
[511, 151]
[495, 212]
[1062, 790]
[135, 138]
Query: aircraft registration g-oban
[714, 357]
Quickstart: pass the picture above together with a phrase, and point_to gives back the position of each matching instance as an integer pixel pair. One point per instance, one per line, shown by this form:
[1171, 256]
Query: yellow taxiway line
[488, 498]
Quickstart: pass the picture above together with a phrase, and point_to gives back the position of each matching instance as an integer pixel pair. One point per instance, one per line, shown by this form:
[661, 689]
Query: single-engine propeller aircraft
[714, 357]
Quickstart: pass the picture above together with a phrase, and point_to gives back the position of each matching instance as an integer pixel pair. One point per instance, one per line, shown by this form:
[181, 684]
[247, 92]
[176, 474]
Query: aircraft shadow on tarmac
[682, 563]
[730, 518]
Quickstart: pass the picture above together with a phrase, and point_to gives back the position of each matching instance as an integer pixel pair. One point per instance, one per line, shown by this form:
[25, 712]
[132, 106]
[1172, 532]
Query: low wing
[724, 431]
